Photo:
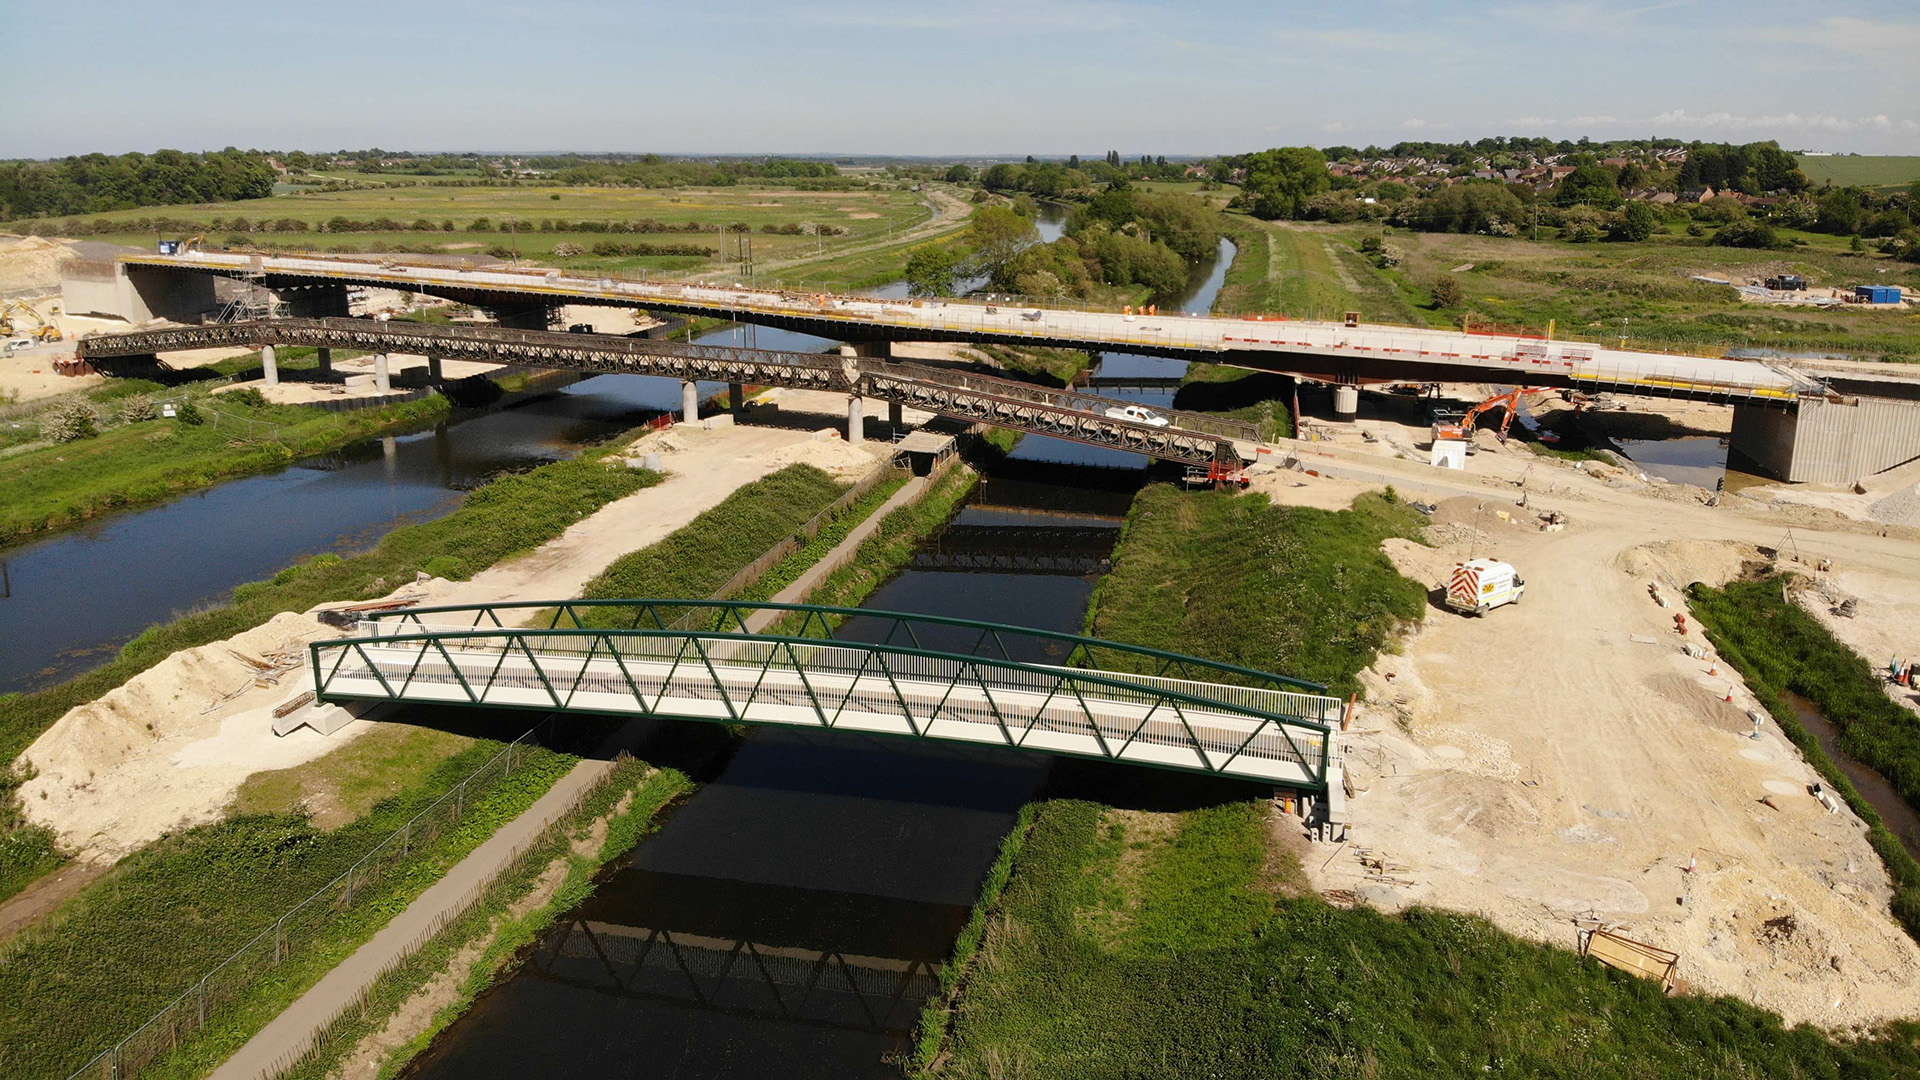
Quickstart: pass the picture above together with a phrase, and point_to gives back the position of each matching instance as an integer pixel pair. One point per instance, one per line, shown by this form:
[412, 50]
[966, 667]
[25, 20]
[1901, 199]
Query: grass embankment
[702, 555]
[1778, 647]
[1053, 367]
[890, 547]
[144, 462]
[788, 570]
[1132, 944]
[513, 514]
[1262, 398]
[1305, 273]
[1292, 590]
[138, 938]
[631, 801]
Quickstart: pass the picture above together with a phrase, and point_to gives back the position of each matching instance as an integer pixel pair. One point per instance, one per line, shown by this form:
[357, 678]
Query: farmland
[1861, 170]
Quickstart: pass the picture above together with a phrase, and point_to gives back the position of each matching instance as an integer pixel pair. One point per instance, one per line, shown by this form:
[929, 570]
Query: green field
[1636, 293]
[1862, 171]
[864, 215]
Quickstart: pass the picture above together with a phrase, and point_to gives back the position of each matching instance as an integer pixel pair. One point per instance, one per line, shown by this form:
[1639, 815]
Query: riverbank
[138, 462]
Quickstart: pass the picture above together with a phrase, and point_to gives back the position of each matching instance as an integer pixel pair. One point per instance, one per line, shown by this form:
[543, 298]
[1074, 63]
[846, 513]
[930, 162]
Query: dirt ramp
[1679, 563]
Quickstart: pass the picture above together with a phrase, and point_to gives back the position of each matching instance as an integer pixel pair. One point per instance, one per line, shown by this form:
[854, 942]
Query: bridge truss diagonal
[448, 656]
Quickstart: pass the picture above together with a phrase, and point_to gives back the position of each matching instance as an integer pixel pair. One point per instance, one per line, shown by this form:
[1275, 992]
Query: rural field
[784, 223]
[1639, 292]
[1861, 170]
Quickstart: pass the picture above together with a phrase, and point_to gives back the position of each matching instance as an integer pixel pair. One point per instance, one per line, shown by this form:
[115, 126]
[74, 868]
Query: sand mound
[1680, 563]
[1900, 508]
[828, 455]
[163, 751]
[31, 262]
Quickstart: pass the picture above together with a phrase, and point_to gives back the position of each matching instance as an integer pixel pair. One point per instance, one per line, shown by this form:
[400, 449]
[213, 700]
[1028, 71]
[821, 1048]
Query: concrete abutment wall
[1829, 440]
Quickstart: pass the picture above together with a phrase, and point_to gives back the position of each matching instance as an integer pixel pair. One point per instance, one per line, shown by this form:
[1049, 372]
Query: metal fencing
[297, 929]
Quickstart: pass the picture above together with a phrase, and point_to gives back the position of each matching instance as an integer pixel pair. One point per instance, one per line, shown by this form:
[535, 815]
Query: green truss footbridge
[914, 676]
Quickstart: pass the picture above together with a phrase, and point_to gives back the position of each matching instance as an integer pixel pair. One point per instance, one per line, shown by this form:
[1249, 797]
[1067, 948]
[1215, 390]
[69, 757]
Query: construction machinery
[1509, 400]
[42, 332]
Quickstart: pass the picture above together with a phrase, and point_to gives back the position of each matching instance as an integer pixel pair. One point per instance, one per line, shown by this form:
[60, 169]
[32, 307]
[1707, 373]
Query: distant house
[1664, 198]
[1196, 170]
[1614, 162]
[1697, 195]
[1560, 172]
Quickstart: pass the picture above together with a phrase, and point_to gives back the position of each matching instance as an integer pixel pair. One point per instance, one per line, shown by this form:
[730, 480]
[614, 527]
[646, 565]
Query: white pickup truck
[1138, 414]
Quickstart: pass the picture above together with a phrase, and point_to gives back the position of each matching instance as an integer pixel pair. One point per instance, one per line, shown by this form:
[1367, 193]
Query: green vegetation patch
[702, 555]
[1290, 590]
[788, 570]
[133, 941]
[1130, 944]
[513, 514]
[1861, 170]
[145, 461]
[1778, 647]
[1259, 397]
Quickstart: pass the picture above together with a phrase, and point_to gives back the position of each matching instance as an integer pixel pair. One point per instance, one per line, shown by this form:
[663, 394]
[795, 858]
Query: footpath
[292, 1031]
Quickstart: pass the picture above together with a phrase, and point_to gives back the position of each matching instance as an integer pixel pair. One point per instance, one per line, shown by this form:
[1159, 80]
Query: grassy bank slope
[1777, 647]
[148, 461]
[1131, 944]
[139, 937]
[508, 516]
[1291, 590]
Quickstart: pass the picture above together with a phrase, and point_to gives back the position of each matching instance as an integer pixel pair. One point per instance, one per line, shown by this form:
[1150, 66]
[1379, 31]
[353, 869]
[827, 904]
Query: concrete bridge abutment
[1828, 440]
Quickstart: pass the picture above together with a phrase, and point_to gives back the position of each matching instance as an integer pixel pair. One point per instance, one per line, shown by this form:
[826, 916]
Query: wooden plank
[1632, 957]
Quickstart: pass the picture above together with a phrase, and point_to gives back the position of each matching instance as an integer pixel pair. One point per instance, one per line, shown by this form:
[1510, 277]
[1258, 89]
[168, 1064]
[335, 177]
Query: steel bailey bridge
[1191, 438]
[910, 676]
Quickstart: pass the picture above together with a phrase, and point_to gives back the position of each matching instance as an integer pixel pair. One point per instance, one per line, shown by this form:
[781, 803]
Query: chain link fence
[301, 927]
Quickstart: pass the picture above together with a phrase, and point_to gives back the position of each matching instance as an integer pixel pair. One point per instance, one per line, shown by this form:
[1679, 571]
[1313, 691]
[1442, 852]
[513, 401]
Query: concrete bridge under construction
[897, 674]
[1781, 416]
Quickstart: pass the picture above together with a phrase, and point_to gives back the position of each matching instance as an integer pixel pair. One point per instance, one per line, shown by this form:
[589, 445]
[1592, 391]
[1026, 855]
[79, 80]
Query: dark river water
[791, 918]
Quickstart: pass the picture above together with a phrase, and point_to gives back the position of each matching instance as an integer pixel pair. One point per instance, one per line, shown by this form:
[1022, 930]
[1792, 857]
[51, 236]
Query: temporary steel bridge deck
[1192, 438]
[915, 676]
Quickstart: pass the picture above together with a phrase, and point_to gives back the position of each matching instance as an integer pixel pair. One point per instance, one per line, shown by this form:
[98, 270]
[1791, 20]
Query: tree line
[91, 183]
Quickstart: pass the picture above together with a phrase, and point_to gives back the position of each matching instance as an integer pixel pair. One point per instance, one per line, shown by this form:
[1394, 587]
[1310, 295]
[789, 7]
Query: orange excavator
[1510, 401]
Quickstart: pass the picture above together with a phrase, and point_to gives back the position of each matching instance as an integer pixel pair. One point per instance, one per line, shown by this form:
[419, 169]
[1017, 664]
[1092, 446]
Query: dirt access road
[1563, 757]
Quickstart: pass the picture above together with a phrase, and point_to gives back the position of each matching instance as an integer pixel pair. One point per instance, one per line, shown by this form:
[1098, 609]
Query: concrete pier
[325, 366]
[856, 420]
[736, 396]
[1835, 440]
[269, 366]
[689, 401]
[434, 375]
[382, 379]
[896, 415]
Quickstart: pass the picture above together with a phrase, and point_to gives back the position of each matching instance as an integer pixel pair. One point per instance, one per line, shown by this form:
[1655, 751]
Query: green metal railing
[987, 638]
[865, 687]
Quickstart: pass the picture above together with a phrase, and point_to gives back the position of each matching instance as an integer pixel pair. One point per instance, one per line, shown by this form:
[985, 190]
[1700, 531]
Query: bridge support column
[896, 415]
[382, 379]
[269, 366]
[434, 375]
[325, 366]
[736, 397]
[1828, 441]
[856, 420]
[689, 402]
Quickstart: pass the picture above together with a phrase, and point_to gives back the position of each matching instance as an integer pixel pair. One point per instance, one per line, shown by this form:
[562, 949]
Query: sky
[983, 78]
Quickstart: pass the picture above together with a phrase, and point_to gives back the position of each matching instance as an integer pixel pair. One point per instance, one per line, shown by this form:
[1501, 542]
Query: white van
[1480, 585]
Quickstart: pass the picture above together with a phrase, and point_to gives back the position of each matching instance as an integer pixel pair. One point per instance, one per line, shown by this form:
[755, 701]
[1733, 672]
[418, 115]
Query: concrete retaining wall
[1828, 441]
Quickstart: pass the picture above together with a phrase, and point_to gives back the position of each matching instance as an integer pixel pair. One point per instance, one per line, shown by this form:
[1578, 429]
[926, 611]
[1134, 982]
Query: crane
[1509, 400]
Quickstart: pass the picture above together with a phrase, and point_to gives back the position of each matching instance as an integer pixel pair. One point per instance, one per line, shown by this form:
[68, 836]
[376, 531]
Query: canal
[791, 918]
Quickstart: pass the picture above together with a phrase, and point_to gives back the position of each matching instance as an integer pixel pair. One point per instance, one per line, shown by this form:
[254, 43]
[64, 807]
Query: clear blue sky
[992, 77]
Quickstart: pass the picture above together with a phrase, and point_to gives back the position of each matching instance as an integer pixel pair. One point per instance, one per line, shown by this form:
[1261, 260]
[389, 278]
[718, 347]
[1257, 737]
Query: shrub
[138, 409]
[1747, 233]
[189, 414]
[445, 566]
[1696, 229]
[247, 396]
[70, 421]
[1447, 292]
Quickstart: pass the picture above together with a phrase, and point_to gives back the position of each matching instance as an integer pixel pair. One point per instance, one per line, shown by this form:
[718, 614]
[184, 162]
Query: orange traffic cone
[1729, 695]
[1713, 669]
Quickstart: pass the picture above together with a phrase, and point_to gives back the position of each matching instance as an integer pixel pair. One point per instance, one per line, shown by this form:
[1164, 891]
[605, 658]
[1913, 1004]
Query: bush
[138, 409]
[1696, 229]
[1447, 292]
[247, 396]
[70, 421]
[1637, 222]
[189, 413]
[445, 566]
[1747, 233]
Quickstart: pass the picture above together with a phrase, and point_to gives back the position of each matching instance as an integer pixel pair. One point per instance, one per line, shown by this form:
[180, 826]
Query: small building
[1876, 294]
[1697, 195]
